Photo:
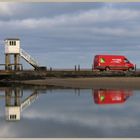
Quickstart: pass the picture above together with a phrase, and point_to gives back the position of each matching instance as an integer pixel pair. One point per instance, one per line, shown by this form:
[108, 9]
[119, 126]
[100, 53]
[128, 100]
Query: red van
[110, 96]
[112, 62]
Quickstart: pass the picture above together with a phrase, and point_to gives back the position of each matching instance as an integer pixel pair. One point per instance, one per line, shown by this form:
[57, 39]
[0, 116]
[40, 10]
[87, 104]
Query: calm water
[69, 113]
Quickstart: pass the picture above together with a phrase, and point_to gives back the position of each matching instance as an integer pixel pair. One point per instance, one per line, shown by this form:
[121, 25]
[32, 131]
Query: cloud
[6, 130]
[5, 9]
[9, 9]
[84, 120]
[85, 21]
[88, 17]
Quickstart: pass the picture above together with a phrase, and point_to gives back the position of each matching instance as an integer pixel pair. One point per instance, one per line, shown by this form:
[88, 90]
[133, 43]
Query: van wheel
[107, 69]
[130, 69]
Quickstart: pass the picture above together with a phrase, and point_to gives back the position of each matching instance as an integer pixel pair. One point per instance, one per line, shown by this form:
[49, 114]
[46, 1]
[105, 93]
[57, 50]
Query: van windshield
[126, 61]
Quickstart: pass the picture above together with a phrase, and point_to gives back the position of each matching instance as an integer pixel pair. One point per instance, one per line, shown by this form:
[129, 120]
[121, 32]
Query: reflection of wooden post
[8, 94]
[7, 61]
[17, 97]
[78, 91]
[78, 67]
[50, 68]
[12, 101]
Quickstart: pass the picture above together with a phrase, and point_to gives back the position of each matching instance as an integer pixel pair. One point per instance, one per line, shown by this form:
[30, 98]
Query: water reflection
[14, 103]
[111, 96]
[69, 112]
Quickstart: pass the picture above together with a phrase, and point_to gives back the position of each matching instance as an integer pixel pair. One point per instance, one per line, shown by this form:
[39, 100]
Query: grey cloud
[27, 10]
[82, 18]
[89, 121]
[5, 9]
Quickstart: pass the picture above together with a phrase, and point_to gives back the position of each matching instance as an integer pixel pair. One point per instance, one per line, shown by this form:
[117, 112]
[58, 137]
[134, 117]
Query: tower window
[12, 43]
[12, 117]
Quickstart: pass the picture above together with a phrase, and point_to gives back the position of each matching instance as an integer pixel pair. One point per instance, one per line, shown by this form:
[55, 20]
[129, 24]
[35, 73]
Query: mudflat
[97, 82]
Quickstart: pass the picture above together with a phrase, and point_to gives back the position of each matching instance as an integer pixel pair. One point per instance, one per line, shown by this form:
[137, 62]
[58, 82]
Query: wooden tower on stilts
[12, 48]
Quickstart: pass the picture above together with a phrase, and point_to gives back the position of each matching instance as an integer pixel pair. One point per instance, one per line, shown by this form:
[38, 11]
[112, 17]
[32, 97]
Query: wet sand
[98, 82]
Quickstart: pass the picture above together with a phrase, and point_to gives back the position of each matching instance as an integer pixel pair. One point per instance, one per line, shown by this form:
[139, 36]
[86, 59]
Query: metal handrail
[28, 58]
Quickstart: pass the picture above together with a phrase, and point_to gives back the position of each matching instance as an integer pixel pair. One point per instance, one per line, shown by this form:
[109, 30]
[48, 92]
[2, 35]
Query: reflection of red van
[108, 96]
[112, 62]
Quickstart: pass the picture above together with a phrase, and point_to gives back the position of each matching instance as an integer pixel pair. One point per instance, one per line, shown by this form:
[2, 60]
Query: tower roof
[12, 39]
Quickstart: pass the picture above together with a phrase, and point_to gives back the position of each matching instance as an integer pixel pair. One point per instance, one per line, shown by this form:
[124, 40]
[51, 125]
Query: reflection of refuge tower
[13, 104]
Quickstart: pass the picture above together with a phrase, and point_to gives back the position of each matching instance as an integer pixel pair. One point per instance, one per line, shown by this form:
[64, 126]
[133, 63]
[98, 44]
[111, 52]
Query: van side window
[126, 61]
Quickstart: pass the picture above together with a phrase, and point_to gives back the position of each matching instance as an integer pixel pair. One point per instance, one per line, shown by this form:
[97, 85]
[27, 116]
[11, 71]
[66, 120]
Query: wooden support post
[21, 67]
[135, 67]
[75, 68]
[16, 62]
[7, 61]
[78, 67]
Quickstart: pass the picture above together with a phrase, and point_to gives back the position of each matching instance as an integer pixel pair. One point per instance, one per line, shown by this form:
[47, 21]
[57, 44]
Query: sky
[62, 35]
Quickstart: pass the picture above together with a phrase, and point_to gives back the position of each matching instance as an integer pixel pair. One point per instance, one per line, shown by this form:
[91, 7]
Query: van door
[126, 63]
[116, 63]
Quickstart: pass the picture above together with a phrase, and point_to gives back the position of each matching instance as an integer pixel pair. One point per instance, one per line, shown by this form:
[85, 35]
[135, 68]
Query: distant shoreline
[96, 82]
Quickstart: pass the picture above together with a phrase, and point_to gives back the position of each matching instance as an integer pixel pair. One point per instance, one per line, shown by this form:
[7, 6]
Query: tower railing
[28, 58]
[28, 101]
